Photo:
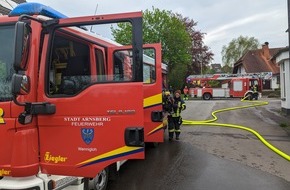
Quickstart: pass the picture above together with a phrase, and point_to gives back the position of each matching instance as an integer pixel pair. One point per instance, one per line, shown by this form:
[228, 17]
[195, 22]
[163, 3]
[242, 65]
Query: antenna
[96, 9]
[94, 14]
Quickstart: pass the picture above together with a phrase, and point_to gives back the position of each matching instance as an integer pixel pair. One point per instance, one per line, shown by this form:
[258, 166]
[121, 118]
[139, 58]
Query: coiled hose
[211, 122]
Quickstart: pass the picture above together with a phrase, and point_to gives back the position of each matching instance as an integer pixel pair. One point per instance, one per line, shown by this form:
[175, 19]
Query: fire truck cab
[73, 104]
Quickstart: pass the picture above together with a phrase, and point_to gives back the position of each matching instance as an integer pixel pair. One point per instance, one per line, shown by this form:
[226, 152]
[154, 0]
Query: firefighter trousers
[174, 126]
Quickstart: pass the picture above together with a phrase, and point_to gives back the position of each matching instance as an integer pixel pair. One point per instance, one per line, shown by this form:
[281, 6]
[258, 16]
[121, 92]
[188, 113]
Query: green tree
[177, 37]
[237, 48]
[201, 54]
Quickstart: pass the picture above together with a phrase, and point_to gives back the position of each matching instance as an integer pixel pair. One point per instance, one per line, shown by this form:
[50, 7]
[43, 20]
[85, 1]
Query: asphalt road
[217, 158]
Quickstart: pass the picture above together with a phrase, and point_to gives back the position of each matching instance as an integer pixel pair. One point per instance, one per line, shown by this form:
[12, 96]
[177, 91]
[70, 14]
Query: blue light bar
[35, 9]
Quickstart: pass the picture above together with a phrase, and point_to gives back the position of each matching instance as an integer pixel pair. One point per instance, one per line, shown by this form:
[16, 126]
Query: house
[217, 68]
[7, 5]
[257, 61]
[282, 58]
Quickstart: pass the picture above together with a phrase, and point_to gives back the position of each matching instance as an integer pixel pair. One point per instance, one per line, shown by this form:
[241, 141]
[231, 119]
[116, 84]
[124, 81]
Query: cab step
[65, 182]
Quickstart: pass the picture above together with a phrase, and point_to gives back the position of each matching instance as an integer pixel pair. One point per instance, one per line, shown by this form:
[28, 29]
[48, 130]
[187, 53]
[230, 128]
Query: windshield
[6, 68]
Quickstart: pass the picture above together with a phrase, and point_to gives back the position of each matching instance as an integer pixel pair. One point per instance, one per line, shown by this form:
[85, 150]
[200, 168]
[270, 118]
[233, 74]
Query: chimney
[265, 51]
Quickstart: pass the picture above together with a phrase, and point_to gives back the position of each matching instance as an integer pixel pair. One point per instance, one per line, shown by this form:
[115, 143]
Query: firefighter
[167, 102]
[185, 92]
[175, 119]
[255, 92]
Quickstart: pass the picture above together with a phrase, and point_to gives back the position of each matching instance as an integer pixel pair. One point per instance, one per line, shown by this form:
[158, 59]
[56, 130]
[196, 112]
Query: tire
[256, 95]
[100, 182]
[249, 96]
[206, 96]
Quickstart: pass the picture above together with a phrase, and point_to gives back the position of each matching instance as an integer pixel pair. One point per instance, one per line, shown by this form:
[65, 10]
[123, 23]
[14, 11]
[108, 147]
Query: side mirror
[22, 46]
[20, 84]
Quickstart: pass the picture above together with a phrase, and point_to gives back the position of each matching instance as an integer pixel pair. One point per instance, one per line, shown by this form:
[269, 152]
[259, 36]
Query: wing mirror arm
[43, 108]
[21, 86]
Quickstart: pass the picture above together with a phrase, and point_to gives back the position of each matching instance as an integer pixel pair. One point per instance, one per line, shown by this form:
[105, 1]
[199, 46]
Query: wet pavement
[215, 157]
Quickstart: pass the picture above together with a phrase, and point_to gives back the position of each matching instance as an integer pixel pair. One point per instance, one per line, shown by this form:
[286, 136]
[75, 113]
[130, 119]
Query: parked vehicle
[225, 85]
[74, 105]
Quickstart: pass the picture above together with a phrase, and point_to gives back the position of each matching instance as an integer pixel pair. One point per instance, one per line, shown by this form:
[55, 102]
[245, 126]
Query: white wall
[283, 60]
[241, 69]
[274, 82]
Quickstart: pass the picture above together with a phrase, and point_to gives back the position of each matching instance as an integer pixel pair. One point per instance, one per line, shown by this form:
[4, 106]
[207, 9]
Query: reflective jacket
[178, 106]
[255, 89]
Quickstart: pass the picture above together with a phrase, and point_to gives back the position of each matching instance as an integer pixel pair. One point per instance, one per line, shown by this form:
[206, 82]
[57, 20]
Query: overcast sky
[221, 20]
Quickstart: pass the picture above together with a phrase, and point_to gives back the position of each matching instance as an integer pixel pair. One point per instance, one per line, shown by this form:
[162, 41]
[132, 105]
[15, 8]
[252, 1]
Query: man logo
[87, 135]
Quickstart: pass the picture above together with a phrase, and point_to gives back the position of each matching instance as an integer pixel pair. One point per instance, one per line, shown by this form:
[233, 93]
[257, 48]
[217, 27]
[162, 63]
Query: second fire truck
[225, 85]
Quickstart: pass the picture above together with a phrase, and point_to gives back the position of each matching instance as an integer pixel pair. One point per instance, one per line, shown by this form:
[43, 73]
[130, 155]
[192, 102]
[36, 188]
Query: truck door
[152, 78]
[98, 120]
[152, 89]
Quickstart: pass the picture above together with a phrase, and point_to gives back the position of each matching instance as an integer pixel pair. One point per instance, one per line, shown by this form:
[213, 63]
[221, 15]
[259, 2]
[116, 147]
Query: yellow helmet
[167, 93]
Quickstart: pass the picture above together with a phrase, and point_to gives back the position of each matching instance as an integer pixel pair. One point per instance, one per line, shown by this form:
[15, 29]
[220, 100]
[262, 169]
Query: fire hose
[211, 122]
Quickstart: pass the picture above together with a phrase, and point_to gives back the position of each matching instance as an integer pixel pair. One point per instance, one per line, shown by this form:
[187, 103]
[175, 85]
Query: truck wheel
[249, 96]
[100, 182]
[206, 96]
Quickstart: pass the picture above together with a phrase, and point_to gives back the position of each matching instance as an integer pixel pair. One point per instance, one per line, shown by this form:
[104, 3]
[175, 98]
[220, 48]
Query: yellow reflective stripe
[122, 150]
[183, 106]
[156, 129]
[1, 115]
[152, 100]
[176, 114]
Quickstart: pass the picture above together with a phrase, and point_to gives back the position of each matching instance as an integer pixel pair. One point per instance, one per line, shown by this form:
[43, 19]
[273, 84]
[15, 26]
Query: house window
[278, 79]
[283, 87]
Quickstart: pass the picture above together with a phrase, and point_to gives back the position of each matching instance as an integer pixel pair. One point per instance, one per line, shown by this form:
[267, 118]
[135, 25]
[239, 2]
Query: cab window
[80, 58]
[6, 67]
[100, 65]
[122, 66]
[149, 66]
[69, 70]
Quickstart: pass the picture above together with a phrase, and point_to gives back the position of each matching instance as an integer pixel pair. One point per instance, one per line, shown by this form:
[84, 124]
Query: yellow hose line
[254, 103]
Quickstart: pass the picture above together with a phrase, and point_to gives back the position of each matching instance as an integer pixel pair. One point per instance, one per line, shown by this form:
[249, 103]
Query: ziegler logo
[4, 172]
[1, 116]
[55, 159]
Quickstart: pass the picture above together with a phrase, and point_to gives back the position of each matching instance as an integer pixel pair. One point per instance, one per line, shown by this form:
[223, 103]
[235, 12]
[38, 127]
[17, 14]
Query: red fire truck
[225, 85]
[73, 104]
